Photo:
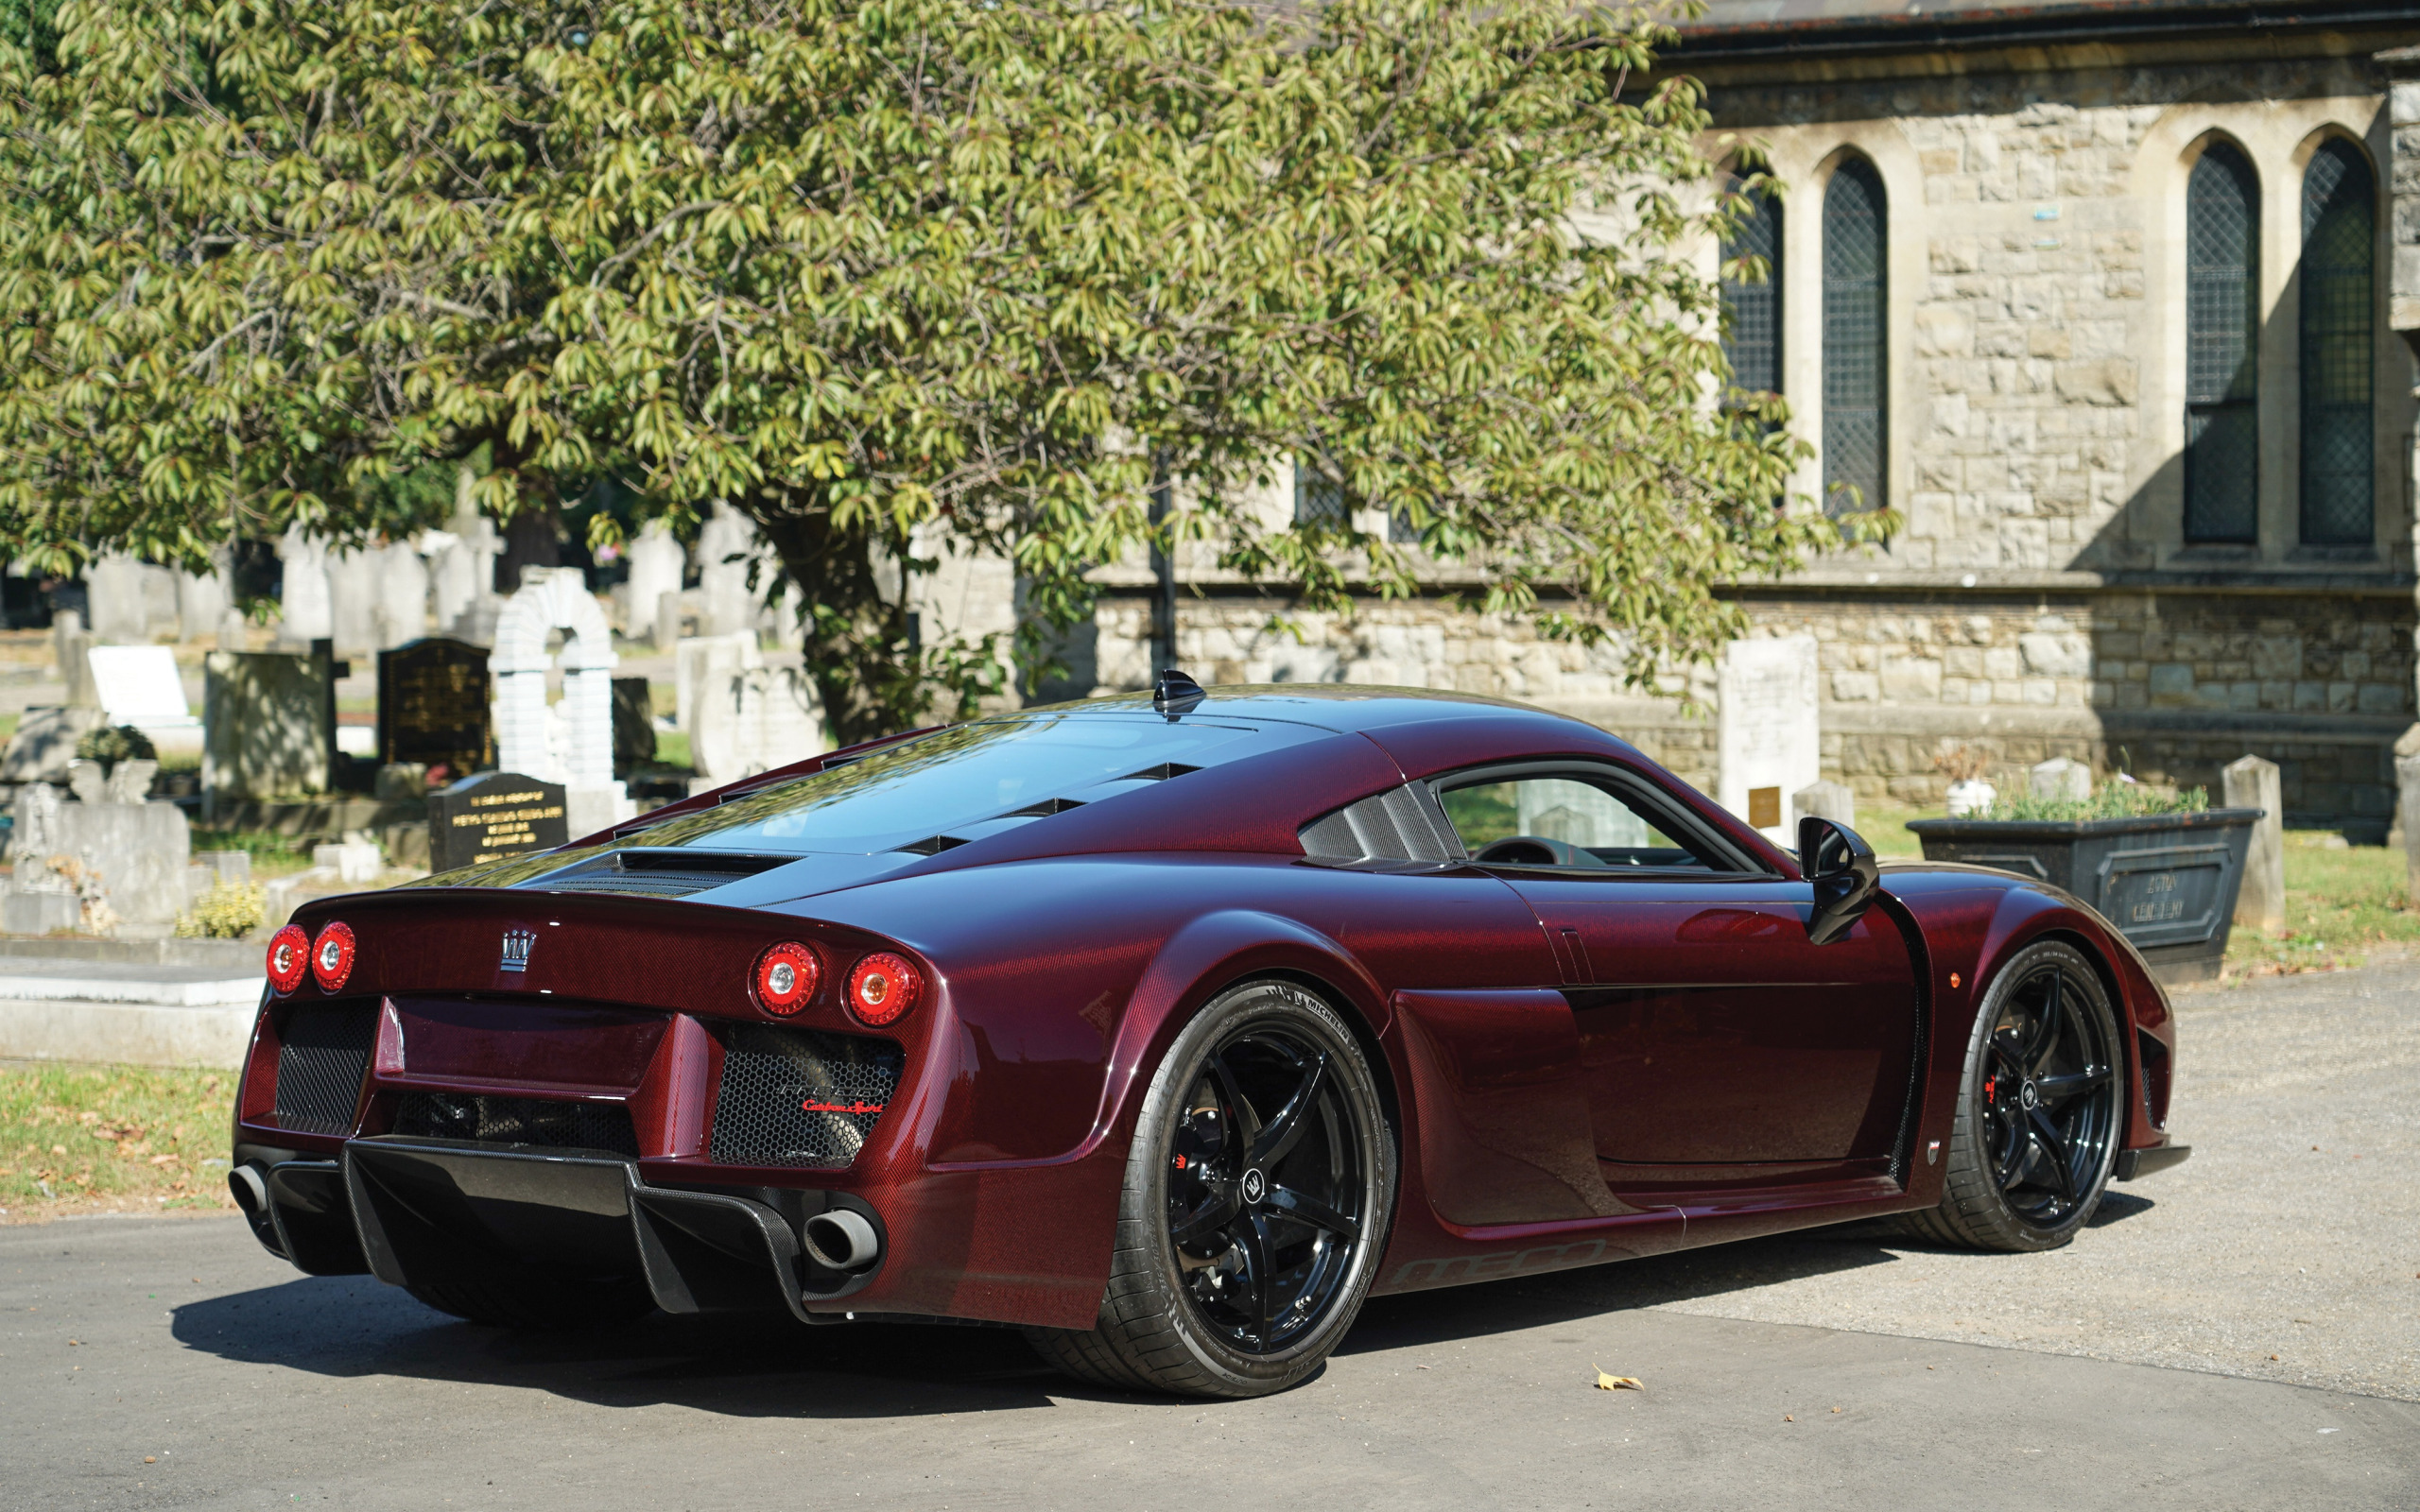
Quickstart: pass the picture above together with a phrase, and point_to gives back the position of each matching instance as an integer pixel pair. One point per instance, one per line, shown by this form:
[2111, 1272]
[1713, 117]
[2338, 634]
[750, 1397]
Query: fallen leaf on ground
[1606, 1383]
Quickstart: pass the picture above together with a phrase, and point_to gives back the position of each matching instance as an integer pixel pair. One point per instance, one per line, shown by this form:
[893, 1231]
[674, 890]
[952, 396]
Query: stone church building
[2105, 300]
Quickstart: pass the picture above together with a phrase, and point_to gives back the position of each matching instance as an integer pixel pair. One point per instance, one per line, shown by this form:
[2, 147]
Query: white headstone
[657, 562]
[353, 601]
[403, 595]
[1769, 733]
[140, 685]
[202, 602]
[113, 599]
[2060, 778]
[703, 661]
[727, 547]
[303, 602]
[554, 598]
[159, 588]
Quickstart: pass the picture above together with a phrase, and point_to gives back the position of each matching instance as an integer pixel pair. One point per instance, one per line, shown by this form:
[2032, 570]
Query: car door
[1717, 1043]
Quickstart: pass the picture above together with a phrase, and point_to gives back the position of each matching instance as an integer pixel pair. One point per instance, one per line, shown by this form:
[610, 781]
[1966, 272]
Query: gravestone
[140, 685]
[1768, 732]
[434, 697]
[491, 816]
[633, 724]
[462, 569]
[45, 744]
[1836, 802]
[114, 600]
[571, 742]
[727, 548]
[2060, 779]
[2252, 782]
[753, 720]
[202, 602]
[303, 611]
[265, 723]
[657, 562]
[2406, 783]
[70, 643]
[158, 586]
[353, 601]
[403, 595]
[123, 860]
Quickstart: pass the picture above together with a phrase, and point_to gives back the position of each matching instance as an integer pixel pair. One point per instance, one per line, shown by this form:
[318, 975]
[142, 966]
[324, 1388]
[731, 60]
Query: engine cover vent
[322, 1054]
[799, 1097]
[671, 871]
[546, 1122]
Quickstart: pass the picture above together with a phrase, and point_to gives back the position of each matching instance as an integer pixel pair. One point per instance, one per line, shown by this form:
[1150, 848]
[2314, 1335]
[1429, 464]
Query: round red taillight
[786, 978]
[289, 956]
[332, 956]
[882, 988]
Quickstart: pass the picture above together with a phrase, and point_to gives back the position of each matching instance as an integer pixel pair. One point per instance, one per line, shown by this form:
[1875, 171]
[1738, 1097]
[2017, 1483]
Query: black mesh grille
[799, 1097]
[491, 1120]
[645, 883]
[322, 1054]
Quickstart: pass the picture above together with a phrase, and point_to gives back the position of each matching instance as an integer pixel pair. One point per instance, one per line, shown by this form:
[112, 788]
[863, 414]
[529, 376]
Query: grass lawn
[274, 854]
[85, 1139]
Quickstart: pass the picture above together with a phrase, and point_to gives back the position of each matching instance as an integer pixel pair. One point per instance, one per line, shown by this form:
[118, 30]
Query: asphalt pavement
[169, 1363]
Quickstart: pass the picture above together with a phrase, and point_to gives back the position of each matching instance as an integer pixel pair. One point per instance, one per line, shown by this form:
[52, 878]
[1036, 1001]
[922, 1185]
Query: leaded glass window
[2221, 348]
[1316, 496]
[2338, 316]
[1855, 361]
[1752, 307]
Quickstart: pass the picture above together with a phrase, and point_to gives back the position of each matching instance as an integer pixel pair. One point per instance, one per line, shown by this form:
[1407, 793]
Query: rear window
[970, 776]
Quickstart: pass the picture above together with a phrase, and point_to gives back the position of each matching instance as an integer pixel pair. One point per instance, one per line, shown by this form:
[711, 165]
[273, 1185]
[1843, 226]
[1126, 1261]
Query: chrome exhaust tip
[839, 1239]
[250, 1189]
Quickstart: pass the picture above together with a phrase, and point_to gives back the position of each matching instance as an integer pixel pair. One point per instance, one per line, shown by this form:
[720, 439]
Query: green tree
[892, 273]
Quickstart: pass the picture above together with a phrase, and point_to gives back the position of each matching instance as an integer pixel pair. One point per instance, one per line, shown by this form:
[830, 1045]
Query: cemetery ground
[2241, 1332]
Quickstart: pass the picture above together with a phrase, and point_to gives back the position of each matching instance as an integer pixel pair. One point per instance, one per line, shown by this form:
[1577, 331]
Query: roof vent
[1160, 773]
[933, 845]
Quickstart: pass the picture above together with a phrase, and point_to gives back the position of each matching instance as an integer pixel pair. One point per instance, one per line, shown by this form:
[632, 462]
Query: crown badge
[516, 950]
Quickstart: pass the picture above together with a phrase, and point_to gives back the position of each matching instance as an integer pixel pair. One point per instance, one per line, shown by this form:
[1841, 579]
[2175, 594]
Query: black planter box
[2166, 882]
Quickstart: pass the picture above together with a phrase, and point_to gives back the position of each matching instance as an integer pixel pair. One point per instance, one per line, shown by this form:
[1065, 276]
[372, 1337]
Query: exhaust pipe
[251, 1191]
[839, 1239]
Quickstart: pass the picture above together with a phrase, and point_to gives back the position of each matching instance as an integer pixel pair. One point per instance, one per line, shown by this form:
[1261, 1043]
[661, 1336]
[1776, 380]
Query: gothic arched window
[2339, 223]
[1856, 359]
[1751, 309]
[2221, 348]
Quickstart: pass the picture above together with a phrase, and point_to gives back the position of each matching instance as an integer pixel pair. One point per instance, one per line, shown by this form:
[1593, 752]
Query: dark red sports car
[1172, 1027]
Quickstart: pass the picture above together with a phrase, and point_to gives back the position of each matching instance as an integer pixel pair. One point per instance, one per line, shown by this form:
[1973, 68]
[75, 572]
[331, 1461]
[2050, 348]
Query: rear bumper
[417, 1212]
[2134, 1163]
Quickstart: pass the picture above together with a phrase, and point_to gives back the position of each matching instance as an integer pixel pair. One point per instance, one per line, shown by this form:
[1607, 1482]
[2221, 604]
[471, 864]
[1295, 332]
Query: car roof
[1344, 708]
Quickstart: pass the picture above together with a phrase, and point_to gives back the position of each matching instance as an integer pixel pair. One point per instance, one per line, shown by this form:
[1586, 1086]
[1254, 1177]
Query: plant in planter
[1964, 766]
[2163, 866]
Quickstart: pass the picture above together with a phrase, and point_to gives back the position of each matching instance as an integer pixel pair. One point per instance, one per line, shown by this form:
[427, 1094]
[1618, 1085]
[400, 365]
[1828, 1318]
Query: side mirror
[1846, 875]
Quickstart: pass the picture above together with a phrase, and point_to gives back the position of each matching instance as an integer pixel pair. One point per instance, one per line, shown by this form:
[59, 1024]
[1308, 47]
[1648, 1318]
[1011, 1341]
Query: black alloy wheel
[2040, 1110]
[1259, 1192]
[2049, 1099]
[1264, 1205]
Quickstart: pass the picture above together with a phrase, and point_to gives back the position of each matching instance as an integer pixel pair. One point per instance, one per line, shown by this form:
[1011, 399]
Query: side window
[1562, 820]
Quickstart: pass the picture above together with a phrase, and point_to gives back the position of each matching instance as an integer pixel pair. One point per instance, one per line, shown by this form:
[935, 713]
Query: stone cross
[1769, 731]
[2253, 783]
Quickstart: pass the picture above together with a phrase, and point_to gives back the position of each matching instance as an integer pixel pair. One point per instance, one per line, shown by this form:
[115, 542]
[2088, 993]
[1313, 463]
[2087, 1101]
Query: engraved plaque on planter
[494, 815]
[433, 699]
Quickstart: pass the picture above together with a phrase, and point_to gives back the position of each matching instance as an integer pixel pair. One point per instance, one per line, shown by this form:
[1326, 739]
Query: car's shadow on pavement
[1417, 1318]
[765, 1367]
